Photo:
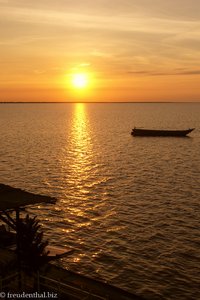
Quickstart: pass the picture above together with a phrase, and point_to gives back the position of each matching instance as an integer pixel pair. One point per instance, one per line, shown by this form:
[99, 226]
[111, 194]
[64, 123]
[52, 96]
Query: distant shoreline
[96, 102]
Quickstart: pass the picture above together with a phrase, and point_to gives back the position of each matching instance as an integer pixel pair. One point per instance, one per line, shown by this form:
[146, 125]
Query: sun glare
[80, 81]
[80, 84]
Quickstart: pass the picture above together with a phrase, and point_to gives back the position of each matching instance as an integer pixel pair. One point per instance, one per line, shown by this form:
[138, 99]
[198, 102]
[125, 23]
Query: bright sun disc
[80, 81]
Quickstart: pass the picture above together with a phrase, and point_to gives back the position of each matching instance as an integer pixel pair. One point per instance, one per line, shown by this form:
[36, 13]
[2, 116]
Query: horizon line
[85, 102]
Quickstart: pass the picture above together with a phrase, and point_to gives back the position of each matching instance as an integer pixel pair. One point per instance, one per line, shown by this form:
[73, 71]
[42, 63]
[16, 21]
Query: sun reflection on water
[78, 161]
[85, 208]
[81, 147]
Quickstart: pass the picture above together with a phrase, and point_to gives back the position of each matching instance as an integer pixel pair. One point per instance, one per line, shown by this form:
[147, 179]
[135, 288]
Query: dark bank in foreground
[17, 275]
[157, 132]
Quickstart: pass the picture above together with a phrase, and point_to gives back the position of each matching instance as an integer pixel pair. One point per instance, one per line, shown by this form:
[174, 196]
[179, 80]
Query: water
[129, 206]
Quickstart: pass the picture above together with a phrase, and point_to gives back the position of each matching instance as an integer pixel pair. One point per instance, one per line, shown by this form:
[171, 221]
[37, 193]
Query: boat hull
[151, 132]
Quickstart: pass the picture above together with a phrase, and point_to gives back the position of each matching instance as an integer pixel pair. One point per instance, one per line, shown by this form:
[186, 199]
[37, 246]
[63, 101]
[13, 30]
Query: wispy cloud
[174, 73]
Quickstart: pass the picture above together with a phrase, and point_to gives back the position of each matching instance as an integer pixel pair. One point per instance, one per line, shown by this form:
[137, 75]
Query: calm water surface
[130, 206]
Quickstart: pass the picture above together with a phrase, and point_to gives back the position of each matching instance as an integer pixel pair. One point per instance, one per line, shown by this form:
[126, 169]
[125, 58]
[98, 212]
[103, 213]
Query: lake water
[130, 206]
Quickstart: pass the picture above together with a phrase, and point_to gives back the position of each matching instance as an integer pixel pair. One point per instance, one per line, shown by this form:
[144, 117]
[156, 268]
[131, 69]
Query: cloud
[190, 72]
[175, 73]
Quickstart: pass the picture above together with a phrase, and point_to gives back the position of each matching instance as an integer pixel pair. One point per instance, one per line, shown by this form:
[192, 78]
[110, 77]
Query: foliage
[32, 246]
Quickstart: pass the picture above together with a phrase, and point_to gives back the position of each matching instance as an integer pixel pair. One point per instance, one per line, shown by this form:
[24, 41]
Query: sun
[80, 80]
[80, 84]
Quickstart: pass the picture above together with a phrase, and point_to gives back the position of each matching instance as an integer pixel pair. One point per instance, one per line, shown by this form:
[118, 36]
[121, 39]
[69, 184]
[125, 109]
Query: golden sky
[131, 50]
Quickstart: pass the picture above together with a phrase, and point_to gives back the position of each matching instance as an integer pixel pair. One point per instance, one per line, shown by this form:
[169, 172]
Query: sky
[131, 50]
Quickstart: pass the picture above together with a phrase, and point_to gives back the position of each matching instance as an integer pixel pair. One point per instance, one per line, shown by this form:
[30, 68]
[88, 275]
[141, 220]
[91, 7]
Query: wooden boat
[155, 132]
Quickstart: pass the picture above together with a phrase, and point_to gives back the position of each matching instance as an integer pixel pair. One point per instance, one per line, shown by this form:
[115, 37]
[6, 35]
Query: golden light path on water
[78, 168]
[80, 148]
[85, 208]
